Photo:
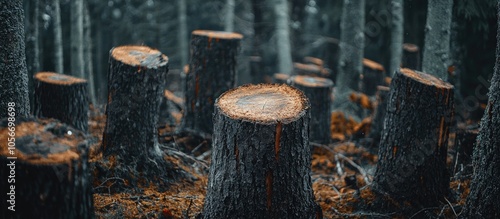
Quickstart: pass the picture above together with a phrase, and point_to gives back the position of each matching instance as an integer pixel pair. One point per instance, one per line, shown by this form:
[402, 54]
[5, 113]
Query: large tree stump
[261, 160]
[412, 153]
[62, 97]
[45, 171]
[319, 91]
[411, 56]
[130, 147]
[373, 76]
[212, 71]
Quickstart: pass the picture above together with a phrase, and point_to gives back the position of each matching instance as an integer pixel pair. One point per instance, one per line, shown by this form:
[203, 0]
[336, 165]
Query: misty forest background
[75, 37]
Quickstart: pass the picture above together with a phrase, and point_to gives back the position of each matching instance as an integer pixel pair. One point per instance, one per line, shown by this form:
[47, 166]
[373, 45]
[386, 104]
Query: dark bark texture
[47, 187]
[319, 91]
[413, 149]
[260, 169]
[411, 57]
[465, 141]
[136, 80]
[483, 201]
[62, 97]
[14, 77]
[212, 71]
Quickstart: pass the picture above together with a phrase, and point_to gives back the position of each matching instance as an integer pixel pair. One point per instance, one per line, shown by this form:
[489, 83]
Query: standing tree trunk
[261, 161]
[437, 38]
[397, 32]
[483, 201]
[229, 17]
[136, 82]
[319, 91]
[87, 52]
[51, 172]
[412, 152]
[183, 33]
[283, 36]
[14, 77]
[58, 42]
[411, 56]
[212, 72]
[62, 97]
[77, 67]
[33, 41]
[352, 43]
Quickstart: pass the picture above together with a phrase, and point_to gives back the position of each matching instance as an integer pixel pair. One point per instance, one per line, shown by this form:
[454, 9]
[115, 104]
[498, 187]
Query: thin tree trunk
[483, 201]
[77, 59]
[87, 52]
[352, 43]
[14, 75]
[52, 173]
[183, 33]
[229, 16]
[58, 42]
[261, 160]
[397, 32]
[437, 38]
[283, 36]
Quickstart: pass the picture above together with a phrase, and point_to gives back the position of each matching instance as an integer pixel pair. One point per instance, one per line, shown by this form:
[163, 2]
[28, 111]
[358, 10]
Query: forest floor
[339, 170]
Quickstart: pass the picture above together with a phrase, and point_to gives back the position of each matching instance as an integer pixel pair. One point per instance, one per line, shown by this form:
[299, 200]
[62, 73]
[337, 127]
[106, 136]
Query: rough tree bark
[319, 91]
[212, 71]
[397, 21]
[437, 38]
[14, 77]
[261, 160]
[373, 76]
[352, 41]
[412, 167]
[62, 97]
[58, 42]
[411, 56]
[483, 201]
[52, 174]
[77, 67]
[136, 80]
[183, 33]
[283, 44]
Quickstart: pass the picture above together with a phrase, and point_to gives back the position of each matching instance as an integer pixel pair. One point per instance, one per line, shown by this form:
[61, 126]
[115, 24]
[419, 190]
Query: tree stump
[258, 75]
[62, 97]
[136, 80]
[212, 71]
[47, 174]
[413, 149]
[310, 70]
[313, 60]
[319, 91]
[465, 141]
[411, 57]
[261, 159]
[281, 78]
[373, 76]
[379, 116]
